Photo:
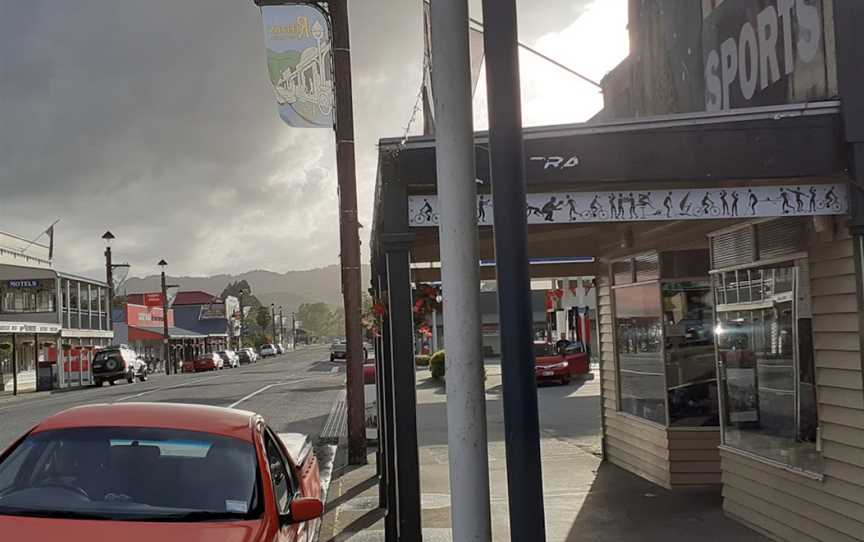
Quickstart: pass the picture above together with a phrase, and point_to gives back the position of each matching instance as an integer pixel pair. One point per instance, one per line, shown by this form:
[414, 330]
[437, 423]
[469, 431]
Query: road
[294, 392]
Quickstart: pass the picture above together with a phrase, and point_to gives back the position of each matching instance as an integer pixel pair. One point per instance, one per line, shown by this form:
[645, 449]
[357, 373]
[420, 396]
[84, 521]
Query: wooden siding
[669, 458]
[787, 505]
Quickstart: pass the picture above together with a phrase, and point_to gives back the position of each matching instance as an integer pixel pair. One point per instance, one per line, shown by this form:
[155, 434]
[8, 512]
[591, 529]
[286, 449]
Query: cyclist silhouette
[707, 203]
[426, 210]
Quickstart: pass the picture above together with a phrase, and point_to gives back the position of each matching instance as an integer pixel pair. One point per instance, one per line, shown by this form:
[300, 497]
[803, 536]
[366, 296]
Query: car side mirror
[305, 509]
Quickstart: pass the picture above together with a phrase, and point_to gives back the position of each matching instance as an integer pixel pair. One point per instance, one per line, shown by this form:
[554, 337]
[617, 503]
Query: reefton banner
[299, 63]
[642, 205]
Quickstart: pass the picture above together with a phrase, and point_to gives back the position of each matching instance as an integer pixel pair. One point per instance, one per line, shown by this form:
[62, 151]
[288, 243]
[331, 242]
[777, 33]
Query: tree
[262, 318]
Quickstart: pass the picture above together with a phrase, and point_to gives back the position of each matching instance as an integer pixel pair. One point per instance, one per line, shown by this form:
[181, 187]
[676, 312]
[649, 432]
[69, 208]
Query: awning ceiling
[155, 334]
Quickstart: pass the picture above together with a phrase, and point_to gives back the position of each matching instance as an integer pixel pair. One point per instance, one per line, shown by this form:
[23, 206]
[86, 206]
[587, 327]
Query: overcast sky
[155, 119]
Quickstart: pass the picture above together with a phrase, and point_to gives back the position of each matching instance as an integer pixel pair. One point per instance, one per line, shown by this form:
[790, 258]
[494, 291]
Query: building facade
[51, 323]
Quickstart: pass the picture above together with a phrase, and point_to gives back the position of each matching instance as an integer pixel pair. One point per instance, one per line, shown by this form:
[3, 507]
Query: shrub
[436, 365]
[422, 360]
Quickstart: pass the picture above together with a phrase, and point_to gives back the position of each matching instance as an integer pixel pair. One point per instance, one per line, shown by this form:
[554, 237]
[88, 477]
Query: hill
[288, 290]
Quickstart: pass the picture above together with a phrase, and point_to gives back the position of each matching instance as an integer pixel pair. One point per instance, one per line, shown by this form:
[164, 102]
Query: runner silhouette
[799, 201]
[734, 203]
[612, 210]
[724, 202]
[620, 205]
[812, 192]
[632, 200]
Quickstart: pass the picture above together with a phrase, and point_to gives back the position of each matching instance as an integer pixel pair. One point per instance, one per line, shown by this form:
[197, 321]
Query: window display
[639, 338]
[28, 296]
[691, 376]
[765, 356]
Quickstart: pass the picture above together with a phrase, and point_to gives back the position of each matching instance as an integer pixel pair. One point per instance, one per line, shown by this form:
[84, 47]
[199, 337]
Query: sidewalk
[585, 499]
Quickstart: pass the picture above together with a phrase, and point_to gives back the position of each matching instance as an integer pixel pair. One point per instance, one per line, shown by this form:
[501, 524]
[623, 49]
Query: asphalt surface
[294, 392]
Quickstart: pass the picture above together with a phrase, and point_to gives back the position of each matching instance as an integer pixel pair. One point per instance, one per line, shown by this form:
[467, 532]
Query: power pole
[507, 168]
[349, 231]
[166, 353]
[281, 326]
[460, 274]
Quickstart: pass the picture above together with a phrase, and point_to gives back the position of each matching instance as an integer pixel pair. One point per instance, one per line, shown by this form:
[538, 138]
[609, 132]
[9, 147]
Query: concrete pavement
[584, 498]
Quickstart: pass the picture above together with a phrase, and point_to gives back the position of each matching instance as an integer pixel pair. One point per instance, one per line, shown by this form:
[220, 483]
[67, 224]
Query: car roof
[206, 419]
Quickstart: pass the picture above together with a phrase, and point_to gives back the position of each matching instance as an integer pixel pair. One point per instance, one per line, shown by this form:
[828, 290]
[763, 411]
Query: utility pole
[349, 231]
[507, 168]
[294, 330]
[281, 326]
[273, 319]
[241, 293]
[460, 274]
[166, 354]
[109, 270]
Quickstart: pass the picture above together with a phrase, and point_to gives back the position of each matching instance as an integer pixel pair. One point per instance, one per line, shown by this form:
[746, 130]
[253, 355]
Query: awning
[155, 334]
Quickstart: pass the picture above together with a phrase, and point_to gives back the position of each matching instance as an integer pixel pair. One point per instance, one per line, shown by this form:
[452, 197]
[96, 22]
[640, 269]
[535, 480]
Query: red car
[551, 365]
[159, 471]
[369, 371]
[207, 362]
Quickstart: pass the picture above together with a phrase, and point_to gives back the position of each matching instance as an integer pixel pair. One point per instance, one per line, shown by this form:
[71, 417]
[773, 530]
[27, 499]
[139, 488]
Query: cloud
[155, 120]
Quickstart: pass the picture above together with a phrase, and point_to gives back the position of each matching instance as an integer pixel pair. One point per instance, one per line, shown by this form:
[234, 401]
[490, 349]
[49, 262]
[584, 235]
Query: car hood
[71, 530]
[549, 360]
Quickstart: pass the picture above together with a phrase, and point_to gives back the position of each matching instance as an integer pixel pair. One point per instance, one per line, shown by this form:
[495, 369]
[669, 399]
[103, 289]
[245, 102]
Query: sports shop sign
[654, 205]
[764, 52]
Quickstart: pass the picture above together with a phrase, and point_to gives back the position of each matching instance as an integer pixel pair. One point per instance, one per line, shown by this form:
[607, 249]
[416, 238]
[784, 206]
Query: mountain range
[288, 290]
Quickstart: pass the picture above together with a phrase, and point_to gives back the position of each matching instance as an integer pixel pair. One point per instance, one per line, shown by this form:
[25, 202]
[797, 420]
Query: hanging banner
[642, 205]
[299, 63]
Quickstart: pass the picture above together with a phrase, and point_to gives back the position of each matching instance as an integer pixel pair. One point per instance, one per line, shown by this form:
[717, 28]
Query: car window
[279, 474]
[122, 473]
[543, 350]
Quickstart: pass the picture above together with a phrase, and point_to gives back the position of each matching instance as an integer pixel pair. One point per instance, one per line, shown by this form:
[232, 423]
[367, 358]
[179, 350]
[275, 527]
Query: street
[294, 392]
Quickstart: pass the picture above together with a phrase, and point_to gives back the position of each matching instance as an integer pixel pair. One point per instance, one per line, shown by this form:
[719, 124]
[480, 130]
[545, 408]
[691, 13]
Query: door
[284, 488]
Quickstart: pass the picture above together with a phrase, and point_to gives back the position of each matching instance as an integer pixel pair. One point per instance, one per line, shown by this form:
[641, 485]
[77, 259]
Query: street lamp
[273, 319]
[240, 295]
[110, 266]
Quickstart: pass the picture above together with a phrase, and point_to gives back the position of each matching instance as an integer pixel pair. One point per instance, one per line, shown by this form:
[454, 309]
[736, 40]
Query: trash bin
[44, 376]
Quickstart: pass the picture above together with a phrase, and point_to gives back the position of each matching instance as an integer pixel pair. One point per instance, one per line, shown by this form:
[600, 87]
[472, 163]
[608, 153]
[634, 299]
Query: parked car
[268, 350]
[244, 357]
[280, 349]
[555, 366]
[118, 363]
[110, 472]
[230, 358]
[208, 362]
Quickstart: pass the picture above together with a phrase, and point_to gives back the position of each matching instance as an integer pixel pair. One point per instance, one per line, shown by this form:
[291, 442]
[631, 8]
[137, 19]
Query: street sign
[299, 64]
[153, 300]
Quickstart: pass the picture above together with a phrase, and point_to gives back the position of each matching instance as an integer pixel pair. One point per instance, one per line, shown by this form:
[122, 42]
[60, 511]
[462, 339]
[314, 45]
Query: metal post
[240, 339]
[281, 326]
[349, 232]
[521, 419]
[166, 355]
[434, 331]
[14, 365]
[273, 320]
[460, 274]
[294, 330]
[407, 468]
[109, 274]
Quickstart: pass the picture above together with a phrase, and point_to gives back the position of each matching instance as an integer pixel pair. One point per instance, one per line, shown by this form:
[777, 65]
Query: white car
[268, 350]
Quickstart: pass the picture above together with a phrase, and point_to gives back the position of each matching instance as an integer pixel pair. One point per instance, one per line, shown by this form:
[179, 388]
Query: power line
[547, 58]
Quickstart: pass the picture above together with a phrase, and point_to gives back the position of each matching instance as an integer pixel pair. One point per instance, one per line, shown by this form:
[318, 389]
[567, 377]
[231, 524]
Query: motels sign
[643, 205]
[764, 52]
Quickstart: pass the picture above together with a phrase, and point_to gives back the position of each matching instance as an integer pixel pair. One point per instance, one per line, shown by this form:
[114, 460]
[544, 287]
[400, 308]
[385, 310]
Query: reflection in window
[691, 375]
[766, 361]
[639, 333]
[28, 296]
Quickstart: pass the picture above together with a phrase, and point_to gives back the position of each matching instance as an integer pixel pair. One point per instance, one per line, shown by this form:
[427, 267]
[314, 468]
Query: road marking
[268, 386]
[163, 388]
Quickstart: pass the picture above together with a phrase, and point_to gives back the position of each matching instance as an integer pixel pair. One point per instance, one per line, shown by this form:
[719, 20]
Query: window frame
[268, 434]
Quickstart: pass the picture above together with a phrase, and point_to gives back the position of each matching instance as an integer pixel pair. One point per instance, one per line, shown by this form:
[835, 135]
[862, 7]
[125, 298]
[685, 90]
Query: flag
[50, 232]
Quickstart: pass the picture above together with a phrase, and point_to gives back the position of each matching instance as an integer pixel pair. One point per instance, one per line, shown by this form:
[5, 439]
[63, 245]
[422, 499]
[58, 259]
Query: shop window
[639, 341]
[691, 377]
[765, 359]
[28, 296]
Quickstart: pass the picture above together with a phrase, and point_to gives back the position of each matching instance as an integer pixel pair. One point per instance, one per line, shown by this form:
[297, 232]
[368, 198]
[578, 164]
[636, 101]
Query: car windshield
[543, 350]
[132, 474]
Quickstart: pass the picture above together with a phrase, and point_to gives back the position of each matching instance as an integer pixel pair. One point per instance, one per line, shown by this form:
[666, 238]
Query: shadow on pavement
[353, 491]
[620, 506]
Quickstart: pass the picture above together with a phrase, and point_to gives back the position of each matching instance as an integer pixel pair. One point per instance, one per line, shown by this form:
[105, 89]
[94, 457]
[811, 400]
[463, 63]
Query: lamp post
[108, 237]
[240, 295]
[294, 330]
[273, 319]
[281, 326]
